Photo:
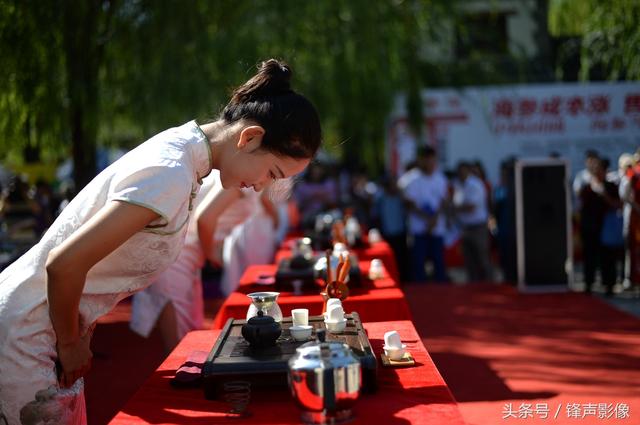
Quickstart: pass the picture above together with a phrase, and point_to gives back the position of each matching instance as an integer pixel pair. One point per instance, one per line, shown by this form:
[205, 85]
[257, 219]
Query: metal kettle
[325, 380]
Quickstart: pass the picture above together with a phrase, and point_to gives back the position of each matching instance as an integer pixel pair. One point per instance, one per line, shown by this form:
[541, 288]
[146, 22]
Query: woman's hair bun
[272, 79]
[291, 122]
[279, 72]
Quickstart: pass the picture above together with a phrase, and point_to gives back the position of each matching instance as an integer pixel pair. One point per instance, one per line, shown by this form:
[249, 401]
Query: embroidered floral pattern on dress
[54, 406]
[160, 174]
[3, 418]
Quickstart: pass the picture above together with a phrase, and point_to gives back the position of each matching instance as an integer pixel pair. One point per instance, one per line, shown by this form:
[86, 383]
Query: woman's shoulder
[173, 148]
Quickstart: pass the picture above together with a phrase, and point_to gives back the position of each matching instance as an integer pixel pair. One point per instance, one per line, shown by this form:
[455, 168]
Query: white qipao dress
[181, 283]
[162, 174]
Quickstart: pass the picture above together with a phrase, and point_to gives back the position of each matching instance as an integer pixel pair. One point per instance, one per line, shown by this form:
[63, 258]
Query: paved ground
[625, 299]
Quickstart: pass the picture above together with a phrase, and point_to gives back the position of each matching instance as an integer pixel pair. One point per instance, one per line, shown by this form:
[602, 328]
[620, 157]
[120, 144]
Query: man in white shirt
[583, 177]
[425, 188]
[470, 204]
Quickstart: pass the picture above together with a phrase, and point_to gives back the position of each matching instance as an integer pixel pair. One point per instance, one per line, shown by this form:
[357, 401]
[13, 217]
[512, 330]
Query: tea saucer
[406, 360]
[335, 326]
[395, 353]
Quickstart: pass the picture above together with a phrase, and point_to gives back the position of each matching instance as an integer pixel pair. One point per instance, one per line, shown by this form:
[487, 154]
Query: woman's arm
[67, 268]
[207, 214]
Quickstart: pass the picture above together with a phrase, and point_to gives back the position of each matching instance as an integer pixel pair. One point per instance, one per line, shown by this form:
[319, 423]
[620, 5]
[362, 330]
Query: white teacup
[335, 326]
[335, 313]
[330, 303]
[395, 353]
[376, 269]
[392, 339]
[300, 316]
[333, 301]
[374, 236]
[334, 319]
[301, 332]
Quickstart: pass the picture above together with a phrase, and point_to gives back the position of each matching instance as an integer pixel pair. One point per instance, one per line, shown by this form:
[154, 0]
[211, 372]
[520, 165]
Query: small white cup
[395, 353]
[333, 301]
[374, 236]
[335, 326]
[376, 269]
[392, 339]
[335, 313]
[330, 303]
[300, 316]
[301, 333]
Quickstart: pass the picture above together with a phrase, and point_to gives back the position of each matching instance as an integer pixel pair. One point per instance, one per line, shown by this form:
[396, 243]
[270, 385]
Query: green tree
[115, 72]
[51, 64]
[609, 32]
[86, 28]
[350, 58]
[31, 83]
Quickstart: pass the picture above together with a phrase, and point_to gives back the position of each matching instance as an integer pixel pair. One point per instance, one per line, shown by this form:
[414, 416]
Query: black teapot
[261, 331]
[302, 254]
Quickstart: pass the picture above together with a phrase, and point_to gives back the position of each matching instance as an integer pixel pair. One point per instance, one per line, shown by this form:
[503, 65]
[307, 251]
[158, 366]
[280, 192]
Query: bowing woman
[123, 229]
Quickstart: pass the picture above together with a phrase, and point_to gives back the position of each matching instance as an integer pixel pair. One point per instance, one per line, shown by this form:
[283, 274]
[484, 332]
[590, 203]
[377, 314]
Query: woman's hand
[74, 360]
[67, 268]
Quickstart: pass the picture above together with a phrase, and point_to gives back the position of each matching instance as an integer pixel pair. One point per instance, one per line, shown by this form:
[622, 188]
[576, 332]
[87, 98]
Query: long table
[381, 250]
[374, 301]
[415, 395]
[253, 274]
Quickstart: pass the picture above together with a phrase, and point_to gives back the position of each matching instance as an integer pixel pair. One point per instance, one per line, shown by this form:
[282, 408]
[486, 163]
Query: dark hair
[477, 164]
[463, 164]
[291, 123]
[425, 152]
[591, 153]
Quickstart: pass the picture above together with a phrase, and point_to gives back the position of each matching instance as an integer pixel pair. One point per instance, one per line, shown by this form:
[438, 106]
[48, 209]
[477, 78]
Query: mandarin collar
[201, 152]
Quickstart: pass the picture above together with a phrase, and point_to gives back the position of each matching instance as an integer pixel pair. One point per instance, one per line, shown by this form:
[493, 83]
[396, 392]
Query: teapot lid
[261, 319]
[322, 354]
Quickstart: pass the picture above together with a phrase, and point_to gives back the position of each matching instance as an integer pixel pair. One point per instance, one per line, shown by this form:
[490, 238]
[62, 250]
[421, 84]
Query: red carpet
[122, 361]
[495, 346]
[492, 345]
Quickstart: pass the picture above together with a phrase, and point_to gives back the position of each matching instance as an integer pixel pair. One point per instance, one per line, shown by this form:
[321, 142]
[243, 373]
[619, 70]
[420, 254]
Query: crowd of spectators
[430, 215]
[425, 214]
[419, 214]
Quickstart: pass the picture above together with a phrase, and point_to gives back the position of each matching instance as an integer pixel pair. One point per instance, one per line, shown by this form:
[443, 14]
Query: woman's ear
[250, 138]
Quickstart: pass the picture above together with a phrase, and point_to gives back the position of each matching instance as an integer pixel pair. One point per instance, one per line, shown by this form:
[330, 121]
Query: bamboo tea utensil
[338, 288]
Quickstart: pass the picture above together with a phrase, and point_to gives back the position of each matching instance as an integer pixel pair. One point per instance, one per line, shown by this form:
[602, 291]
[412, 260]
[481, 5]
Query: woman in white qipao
[123, 229]
[224, 221]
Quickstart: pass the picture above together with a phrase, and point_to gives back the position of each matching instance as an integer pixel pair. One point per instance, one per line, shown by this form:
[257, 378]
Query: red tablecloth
[373, 305]
[416, 395]
[381, 250]
[252, 274]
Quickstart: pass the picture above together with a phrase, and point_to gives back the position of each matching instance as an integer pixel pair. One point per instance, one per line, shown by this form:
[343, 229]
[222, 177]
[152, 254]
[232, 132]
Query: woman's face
[245, 164]
[258, 168]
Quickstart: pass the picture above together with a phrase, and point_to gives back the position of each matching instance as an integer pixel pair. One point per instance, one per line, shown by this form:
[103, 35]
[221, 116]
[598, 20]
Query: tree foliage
[349, 57]
[77, 73]
[31, 84]
[609, 31]
[51, 62]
